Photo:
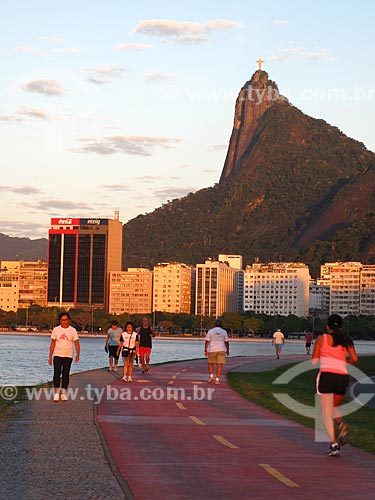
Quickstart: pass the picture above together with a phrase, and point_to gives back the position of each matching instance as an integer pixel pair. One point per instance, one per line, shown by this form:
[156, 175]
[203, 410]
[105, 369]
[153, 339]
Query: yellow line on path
[197, 420]
[142, 381]
[181, 406]
[225, 442]
[184, 370]
[174, 377]
[197, 382]
[171, 382]
[278, 475]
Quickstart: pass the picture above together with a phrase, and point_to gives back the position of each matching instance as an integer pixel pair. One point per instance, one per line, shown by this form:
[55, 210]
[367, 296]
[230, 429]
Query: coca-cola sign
[68, 221]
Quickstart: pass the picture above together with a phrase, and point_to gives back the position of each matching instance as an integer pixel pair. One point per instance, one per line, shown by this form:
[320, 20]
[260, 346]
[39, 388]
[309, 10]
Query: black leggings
[61, 368]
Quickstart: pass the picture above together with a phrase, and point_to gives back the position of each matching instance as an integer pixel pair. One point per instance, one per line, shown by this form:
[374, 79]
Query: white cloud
[30, 50]
[131, 145]
[110, 70]
[22, 228]
[279, 22]
[24, 190]
[171, 192]
[116, 187]
[105, 74]
[159, 77]
[45, 87]
[294, 53]
[67, 50]
[10, 118]
[32, 112]
[133, 46]
[183, 32]
[148, 179]
[53, 204]
[51, 38]
[217, 147]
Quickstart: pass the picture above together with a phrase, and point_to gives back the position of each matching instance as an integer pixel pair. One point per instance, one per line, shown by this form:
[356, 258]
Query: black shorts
[332, 383]
[112, 351]
[308, 344]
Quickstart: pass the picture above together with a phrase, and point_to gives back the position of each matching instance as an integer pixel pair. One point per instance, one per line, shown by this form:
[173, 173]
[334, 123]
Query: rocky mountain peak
[255, 97]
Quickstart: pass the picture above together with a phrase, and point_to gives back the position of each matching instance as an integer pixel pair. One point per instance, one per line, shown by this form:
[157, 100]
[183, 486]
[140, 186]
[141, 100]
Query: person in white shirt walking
[216, 348]
[130, 346]
[61, 354]
[278, 341]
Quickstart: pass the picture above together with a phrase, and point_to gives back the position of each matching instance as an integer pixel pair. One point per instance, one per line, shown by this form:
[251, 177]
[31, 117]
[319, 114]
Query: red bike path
[220, 448]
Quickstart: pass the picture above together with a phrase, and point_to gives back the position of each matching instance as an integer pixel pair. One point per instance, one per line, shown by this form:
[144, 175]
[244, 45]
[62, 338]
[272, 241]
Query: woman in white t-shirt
[130, 346]
[61, 354]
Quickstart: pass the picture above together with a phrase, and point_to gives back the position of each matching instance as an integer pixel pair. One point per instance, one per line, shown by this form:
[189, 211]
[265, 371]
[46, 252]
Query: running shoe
[343, 434]
[130, 379]
[125, 379]
[211, 379]
[334, 450]
[63, 397]
[56, 397]
[217, 381]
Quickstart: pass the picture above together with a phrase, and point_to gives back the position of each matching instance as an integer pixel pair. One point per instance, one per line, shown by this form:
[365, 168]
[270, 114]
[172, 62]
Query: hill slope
[22, 248]
[292, 187]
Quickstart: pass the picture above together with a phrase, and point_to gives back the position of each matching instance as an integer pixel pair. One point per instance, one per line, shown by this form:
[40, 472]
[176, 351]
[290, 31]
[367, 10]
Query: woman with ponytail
[334, 350]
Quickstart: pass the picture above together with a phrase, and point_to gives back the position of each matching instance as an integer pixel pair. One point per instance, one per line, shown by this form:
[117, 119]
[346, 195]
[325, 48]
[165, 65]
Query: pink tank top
[333, 359]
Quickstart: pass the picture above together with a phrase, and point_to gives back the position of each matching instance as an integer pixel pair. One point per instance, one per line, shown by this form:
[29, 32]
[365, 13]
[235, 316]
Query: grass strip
[258, 388]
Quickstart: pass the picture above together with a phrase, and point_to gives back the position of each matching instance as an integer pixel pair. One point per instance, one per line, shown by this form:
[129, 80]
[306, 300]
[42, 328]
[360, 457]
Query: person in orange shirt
[333, 350]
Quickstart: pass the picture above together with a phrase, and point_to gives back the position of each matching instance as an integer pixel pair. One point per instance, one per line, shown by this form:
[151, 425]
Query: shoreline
[261, 340]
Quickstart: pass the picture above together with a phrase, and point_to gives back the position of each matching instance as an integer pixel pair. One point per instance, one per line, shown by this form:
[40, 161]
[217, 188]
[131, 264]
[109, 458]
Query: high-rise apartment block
[279, 288]
[28, 281]
[173, 285]
[217, 286]
[81, 254]
[130, 291]
[352, 287]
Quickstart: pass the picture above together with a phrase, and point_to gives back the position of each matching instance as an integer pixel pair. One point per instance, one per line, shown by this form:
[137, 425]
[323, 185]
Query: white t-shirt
[217, 337]
[128, 339]
[278, 336]
[64, 341]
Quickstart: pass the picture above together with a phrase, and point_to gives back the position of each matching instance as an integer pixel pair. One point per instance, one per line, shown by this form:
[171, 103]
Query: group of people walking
[332, 350]
[133, 344]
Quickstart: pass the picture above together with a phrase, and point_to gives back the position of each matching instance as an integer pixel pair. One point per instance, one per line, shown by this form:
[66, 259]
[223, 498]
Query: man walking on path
[217, 349]
[308, 341]
[145, 334]
[278, 341]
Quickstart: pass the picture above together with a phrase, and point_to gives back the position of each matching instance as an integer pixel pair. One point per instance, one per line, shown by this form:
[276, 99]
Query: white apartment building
[367, 296]
[235, 261]
[173, 285]
[130, 291]
[319, 297]
[29, 284]
[216, 289]
[352, 287]
[277, 288]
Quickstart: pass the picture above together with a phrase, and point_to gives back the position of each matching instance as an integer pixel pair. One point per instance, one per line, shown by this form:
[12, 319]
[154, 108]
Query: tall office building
[367, 297]
[280, 288]
[173, 284]
[234, 261]
[130, 291]
[216, 289]
[81, 253]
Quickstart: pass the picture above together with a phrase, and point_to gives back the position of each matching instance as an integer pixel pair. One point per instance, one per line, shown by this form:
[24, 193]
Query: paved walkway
[221, 448]
[52, 451]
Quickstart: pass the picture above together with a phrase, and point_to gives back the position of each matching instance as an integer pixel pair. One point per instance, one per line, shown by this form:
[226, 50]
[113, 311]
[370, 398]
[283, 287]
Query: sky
[122, 105]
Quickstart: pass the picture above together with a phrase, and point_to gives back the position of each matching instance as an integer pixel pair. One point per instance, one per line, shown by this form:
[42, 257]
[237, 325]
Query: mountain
[22, 248]
[292, 188]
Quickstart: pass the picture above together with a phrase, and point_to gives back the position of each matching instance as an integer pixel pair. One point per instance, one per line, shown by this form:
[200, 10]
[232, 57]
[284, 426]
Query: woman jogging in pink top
[334, 351]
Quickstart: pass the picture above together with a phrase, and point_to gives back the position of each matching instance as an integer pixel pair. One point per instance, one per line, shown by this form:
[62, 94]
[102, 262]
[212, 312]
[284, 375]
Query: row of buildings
[84, 270]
